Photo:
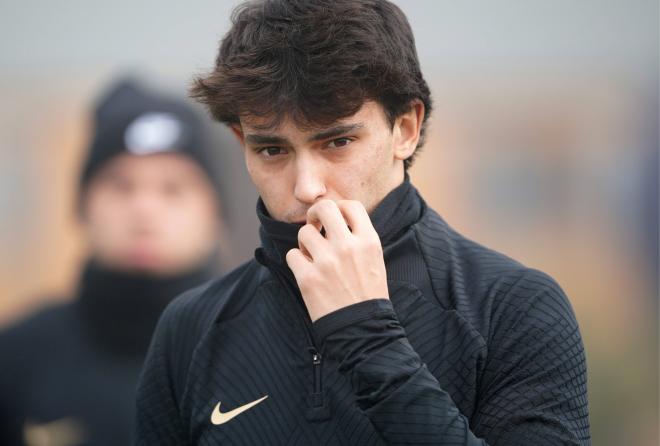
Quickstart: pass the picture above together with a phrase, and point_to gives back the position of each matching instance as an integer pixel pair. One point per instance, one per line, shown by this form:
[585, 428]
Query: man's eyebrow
[265, 139]
[335, 131]
[257, 139]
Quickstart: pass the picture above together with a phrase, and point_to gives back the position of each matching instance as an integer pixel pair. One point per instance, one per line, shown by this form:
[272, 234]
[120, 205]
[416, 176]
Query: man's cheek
[256, 174]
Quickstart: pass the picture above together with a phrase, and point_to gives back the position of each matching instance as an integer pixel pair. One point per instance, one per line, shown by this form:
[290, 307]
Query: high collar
[400, 208]
[119, 310]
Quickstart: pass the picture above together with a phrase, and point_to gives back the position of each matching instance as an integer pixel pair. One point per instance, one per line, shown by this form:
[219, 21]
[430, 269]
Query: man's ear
[407, 129]
[237, 130]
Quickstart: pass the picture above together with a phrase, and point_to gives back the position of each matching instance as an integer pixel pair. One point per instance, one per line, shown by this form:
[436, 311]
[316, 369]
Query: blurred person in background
[150, 206]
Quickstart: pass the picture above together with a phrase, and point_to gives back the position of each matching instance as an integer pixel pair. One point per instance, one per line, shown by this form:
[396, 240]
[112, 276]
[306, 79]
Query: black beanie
[130, 119]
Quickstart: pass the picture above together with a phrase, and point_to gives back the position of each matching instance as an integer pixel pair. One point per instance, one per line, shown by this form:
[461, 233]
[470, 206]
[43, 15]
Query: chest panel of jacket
[264, 352]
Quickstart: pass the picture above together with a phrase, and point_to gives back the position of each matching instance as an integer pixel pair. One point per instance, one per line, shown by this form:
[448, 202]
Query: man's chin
[143, 261]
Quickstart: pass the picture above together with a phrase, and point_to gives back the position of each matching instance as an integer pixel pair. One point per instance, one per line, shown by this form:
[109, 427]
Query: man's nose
[310, 184]
[145, 204]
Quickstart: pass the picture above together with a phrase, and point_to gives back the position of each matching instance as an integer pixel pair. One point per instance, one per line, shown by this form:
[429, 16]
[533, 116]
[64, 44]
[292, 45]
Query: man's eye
[270, 151]
[339, 142]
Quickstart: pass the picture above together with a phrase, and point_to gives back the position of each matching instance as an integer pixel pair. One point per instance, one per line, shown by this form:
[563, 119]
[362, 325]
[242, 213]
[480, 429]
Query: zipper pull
[316, 356]
[317, 394]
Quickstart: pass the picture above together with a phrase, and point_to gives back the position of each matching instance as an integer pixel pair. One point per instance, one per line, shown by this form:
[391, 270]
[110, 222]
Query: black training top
[471, 348]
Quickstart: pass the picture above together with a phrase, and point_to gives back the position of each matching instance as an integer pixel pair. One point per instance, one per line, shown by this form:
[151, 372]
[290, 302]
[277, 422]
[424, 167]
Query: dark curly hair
[314, 61]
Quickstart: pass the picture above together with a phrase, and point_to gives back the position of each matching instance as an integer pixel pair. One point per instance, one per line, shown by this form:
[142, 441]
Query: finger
[297, 261]
[327, 214]
[356, 216]
[311, 242]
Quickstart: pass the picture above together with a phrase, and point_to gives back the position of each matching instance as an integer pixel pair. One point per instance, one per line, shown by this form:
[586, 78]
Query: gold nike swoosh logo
[218, 417]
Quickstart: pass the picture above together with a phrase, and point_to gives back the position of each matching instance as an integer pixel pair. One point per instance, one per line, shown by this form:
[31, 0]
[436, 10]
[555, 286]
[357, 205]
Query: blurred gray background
[543, 145]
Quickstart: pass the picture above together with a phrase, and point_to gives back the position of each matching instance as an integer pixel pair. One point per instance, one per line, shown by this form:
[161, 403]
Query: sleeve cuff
[350, 315]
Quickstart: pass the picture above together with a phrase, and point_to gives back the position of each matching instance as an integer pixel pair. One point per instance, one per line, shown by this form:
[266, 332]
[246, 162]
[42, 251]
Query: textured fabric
[471, 348]
[69, 372]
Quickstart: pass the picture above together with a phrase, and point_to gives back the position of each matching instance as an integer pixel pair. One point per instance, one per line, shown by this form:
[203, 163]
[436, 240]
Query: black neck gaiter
[396, 212]
[119, 310]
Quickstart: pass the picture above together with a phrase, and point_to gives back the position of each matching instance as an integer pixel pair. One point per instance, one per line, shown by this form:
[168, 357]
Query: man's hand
[345, 266]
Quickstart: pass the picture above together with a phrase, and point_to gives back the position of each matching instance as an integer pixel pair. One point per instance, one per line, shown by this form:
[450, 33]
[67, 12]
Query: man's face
[356, 158]
[154, 213]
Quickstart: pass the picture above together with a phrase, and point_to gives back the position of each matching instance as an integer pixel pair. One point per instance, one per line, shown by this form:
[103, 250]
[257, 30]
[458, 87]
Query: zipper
[317, 396]
[317, 360]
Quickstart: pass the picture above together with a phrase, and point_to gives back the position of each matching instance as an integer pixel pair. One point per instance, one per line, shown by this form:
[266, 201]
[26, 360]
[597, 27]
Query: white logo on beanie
[152, 133]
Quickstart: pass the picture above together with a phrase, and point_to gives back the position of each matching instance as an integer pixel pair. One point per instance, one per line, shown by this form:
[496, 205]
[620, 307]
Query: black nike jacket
[471, 348]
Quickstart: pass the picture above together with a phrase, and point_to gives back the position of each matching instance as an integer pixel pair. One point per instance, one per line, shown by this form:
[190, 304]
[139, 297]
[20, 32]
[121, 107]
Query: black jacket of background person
[472, 348]
[68, 374]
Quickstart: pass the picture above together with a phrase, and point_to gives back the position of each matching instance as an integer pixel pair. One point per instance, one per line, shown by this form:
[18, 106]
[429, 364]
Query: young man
[365, 319]
[149, 205]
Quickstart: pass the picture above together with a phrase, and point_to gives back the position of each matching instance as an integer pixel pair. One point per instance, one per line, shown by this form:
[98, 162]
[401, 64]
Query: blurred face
[155, 213]
[357, 158]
